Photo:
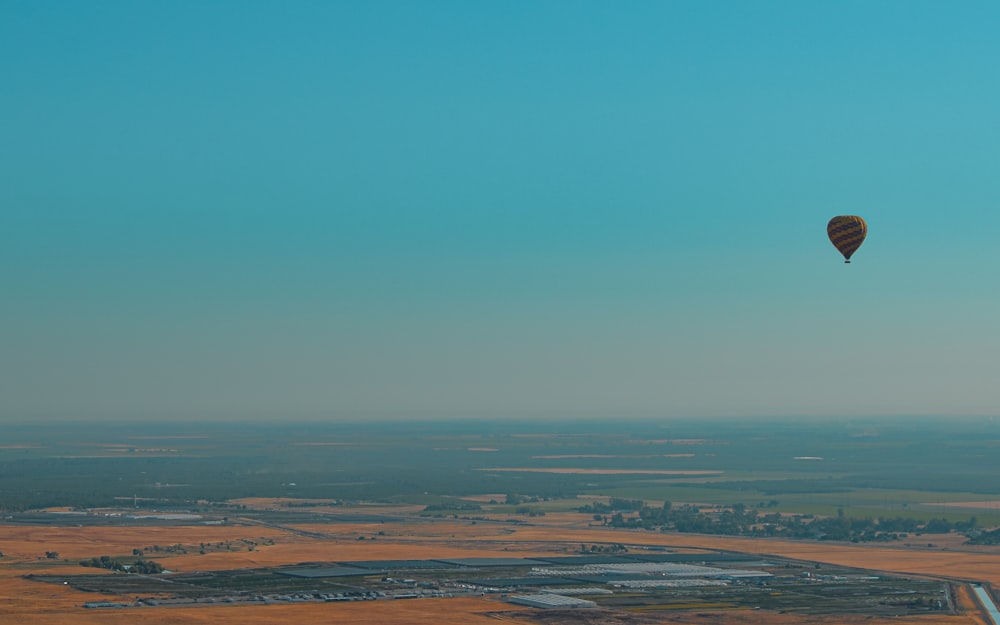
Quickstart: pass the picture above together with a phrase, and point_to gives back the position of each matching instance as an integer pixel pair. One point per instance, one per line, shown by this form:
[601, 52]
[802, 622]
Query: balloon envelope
[847, 233]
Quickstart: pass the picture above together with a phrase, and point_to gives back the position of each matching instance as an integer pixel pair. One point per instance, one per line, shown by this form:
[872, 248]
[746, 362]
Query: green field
[890, 468]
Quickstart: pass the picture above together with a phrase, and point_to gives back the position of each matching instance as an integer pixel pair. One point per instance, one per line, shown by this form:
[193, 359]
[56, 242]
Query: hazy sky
[350, 210]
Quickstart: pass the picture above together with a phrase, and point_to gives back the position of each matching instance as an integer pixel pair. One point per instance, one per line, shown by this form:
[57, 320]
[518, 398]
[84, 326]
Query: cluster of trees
[145, 567]
[619, 548]
[991, 537]
[867, 529]
[529, 511]
[741, 520]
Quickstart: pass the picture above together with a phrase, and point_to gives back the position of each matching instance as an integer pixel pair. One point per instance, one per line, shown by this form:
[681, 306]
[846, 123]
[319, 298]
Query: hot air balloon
[847, 233]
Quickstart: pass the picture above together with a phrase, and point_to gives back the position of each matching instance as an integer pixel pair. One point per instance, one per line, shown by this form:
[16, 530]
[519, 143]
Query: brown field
[28, 543]
[25, 601]
[983, 505]
[488, 497]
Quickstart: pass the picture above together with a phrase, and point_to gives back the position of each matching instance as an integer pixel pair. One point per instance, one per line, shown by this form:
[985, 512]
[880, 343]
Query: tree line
[145, 567]
[742, 520]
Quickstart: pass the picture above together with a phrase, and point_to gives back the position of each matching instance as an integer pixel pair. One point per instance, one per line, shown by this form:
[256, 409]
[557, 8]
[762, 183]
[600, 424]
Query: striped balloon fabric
[847, 233]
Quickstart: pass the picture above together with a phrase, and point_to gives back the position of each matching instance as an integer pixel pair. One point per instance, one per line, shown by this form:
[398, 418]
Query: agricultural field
[850, 579]
[226, 513]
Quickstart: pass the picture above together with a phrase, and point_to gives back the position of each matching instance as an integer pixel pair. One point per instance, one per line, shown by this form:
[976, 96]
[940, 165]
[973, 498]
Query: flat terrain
[226, 505]
[23, 600]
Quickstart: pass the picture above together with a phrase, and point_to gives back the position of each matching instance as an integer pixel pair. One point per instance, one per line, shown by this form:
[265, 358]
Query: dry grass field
[982, 505]
[30, 602]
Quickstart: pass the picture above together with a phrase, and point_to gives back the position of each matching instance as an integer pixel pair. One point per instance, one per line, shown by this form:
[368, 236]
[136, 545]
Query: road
[987, 602]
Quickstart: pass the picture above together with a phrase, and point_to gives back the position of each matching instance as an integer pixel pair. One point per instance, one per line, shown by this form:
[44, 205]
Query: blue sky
[321, 210]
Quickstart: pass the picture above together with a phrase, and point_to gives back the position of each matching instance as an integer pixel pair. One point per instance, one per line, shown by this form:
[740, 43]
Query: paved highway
[984, 598]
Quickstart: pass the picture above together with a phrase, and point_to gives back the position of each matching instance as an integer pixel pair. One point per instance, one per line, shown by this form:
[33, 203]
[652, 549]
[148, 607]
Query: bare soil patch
[29, 543]
[485, 498]
[982, 505]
